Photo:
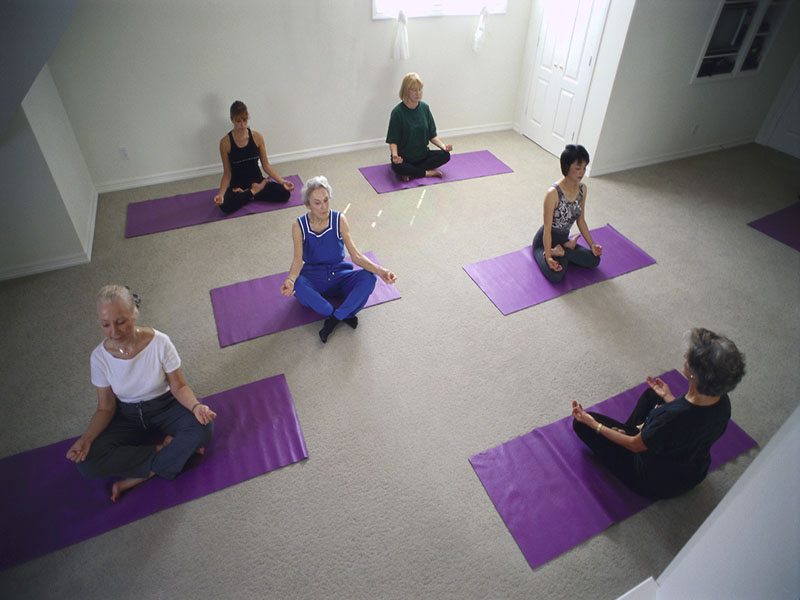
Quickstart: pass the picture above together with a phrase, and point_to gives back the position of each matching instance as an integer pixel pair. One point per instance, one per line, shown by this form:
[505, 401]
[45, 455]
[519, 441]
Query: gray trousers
[126, 448]
[580, 255]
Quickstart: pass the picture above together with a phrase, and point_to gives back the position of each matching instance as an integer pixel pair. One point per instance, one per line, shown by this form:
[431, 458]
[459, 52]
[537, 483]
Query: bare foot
[167, 440]
[123, 485]
[405, 178]
[201, 450]
[557, 251]
[434, 173]
[257, 187]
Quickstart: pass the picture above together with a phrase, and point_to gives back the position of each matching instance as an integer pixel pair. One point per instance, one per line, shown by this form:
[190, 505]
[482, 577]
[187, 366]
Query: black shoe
[352, 321]
[327, 328]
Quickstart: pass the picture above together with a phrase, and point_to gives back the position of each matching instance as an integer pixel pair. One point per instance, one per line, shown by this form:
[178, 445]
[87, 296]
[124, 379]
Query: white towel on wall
[480, 32]
[401, 39]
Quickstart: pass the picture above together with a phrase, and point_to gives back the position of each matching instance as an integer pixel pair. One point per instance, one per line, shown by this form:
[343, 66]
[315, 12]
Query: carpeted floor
[387, 505]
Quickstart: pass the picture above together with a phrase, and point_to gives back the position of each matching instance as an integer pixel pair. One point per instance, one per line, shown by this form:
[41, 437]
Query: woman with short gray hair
[664, 448]
[319, 269]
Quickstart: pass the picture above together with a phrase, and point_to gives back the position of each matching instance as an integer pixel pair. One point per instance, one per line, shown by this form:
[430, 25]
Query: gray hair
[714, 360]
[121, 294]
[320, 181]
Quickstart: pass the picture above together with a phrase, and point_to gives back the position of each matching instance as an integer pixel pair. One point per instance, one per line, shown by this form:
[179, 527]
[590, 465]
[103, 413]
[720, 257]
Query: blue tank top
[244, 163]
[566, 213]
[325, 248]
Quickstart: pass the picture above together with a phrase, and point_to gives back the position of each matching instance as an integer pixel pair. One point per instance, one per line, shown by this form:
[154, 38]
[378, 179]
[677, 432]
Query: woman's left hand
[387, 276]
[203, 414]
[597, 249]
[582, 416]
[448, 147]
[288, 186]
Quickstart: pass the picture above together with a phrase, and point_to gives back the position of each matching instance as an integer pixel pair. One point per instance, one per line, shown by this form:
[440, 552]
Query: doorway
[569, 38]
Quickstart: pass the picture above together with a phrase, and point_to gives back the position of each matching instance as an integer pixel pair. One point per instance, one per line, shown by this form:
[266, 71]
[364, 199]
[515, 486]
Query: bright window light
[388, 9]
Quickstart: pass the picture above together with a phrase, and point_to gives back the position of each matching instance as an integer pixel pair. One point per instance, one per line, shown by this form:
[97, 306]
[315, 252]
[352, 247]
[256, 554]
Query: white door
[569, 38]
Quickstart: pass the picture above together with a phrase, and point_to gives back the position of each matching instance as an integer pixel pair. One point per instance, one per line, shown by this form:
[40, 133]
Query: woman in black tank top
[242, 180]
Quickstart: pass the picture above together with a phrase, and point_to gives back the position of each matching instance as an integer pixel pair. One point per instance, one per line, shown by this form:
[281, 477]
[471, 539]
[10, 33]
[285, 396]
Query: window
[388, 9]
[742, 34]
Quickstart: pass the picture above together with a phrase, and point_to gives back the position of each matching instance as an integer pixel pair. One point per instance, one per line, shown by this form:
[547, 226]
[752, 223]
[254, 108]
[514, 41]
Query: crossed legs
[355, 286]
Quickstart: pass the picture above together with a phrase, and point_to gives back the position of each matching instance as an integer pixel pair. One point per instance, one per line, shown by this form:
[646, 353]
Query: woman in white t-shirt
[140, 392]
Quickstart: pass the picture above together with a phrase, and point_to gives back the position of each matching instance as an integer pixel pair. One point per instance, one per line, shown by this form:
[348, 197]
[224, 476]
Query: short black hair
[715, 362]
[571, 154]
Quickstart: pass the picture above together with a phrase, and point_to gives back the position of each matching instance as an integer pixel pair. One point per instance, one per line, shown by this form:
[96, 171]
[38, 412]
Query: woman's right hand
[218, 199]
[287, 289]
[397, 159]
[553, 263]
[79, 450]
[582, 416]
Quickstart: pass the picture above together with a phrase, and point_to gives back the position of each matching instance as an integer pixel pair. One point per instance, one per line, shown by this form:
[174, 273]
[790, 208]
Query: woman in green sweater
[411, 127]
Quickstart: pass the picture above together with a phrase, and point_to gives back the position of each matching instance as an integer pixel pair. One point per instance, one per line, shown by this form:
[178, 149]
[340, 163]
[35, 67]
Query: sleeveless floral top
[566, 212]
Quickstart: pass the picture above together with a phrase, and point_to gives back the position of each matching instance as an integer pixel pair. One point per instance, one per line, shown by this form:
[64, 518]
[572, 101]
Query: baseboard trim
[216, 169]
[51, 264]
[653, 160]
[88, 243]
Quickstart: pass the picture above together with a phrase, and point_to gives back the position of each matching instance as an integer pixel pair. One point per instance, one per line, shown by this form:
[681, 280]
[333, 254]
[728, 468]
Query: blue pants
[317, 281]
[125, 448]
[580, 256]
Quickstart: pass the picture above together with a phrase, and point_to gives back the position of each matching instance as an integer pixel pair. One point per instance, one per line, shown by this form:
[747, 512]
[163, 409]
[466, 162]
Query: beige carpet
[387, 505]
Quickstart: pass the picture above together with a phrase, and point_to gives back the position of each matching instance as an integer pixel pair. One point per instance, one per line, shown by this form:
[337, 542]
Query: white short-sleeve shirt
[140, 378]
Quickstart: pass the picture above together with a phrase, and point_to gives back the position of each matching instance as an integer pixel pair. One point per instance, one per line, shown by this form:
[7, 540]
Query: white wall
[29, 32]
[36, 232]
[749, 547]
[781, 127]
[51, 127]
[158, 78]
[653, 108]
[604, 75]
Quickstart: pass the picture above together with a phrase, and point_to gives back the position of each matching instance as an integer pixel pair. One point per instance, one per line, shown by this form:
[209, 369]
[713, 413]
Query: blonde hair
[121, 294]
[409, 80]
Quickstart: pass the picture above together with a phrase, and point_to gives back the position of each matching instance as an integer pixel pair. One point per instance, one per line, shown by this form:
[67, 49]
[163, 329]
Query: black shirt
[679, 436]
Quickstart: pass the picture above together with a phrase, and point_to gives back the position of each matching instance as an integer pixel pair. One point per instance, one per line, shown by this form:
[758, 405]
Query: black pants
[619, 460]
[581, 256]
[416, 169]
[272, 192]
[126, 447]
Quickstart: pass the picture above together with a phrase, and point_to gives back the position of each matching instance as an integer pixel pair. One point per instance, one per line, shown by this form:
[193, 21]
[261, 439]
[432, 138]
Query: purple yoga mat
[461, 166]
[513, 281]
[253, 308]
[47, 505]
[185, 210]
[550, 492]
[783, 225]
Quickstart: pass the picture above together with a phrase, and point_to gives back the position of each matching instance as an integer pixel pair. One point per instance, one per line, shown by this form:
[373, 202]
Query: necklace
[126, 353]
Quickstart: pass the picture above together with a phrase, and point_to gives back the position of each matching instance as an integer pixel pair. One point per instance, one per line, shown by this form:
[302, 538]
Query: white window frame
[752, 32]
[389, 9]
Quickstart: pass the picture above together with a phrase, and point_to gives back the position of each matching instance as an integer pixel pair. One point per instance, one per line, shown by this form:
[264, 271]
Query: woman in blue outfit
[318, 266]
[140, 392]
[242, 180]
[663, 449]
[565, 204]
[411, 128]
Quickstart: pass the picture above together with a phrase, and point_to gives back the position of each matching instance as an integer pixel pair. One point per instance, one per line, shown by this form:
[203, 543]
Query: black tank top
[244, 163]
